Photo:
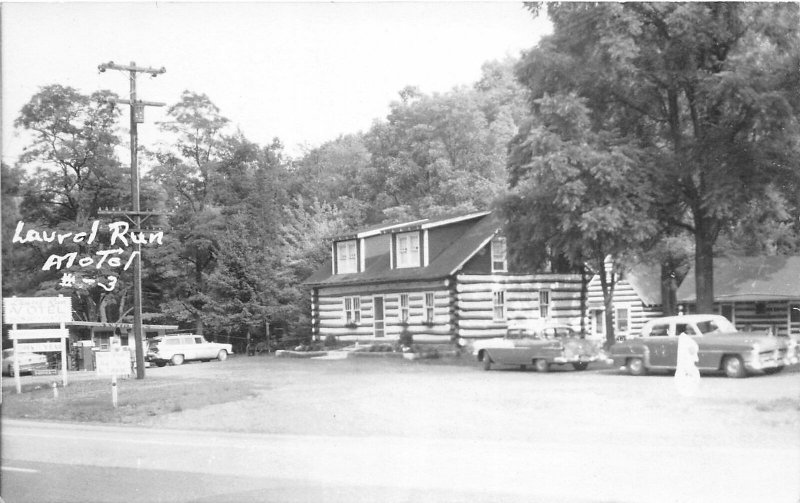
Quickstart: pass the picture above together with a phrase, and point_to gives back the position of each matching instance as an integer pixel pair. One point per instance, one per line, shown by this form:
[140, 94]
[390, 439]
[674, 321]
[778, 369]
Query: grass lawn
[90, 399]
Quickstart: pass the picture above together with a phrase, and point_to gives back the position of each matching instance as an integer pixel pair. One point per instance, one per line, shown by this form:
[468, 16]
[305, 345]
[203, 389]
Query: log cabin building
[442, 280]
[755, 293]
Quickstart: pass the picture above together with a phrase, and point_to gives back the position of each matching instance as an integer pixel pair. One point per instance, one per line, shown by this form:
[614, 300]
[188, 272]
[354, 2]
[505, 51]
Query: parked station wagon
[541, 348]
[176, 349]
[721, 347]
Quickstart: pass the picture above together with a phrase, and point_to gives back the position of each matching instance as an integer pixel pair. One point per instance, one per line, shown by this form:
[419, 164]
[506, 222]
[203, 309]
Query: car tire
[161, 363]
[487, 362]
[733, 367]
[636, 367]
[222, 355]
[541, 365]
[773, 370]
[580, 365]
[176, 360]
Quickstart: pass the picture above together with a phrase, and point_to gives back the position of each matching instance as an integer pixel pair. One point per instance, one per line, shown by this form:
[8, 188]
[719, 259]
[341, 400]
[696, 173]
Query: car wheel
[176, 359]
[636, 367]
[487, 362]
[523, 367]
[733, 366]
[161, 363]
[773, 370]
[580, 365]
[222, 355]
[541, 365]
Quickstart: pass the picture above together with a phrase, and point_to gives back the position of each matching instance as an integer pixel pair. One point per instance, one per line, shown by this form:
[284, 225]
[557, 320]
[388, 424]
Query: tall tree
[74, 172]
[576, 193]
[708, 88]
[188, 174]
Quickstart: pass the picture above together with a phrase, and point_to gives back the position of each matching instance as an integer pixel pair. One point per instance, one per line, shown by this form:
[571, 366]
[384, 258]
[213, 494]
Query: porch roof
[100, 324]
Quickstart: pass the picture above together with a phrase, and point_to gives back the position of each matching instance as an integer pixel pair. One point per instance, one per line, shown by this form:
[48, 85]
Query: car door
[189, 348]
[663, 345]
[204, 349]
[514, 350]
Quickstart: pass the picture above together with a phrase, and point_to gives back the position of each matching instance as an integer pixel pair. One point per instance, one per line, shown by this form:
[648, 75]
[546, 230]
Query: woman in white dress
[687, 377]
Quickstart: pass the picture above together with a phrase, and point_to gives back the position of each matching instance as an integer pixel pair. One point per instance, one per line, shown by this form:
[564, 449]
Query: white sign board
[37, 310]
[39, 333]
[113, 363]
[39, 347]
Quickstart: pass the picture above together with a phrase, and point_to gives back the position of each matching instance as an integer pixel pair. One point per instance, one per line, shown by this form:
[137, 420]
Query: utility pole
[137, 116]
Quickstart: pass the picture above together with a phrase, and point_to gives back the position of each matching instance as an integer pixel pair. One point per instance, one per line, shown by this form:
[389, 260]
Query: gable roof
[749, 279]
[452, 258]
[645, 279]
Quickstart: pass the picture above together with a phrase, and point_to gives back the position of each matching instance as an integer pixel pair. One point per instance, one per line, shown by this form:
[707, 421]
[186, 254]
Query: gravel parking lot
[434, 399]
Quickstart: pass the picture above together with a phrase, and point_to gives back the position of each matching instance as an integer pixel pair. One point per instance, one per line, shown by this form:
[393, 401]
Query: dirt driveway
[363, 397]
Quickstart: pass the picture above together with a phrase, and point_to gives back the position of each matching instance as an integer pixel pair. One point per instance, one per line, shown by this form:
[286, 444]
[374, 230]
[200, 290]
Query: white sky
[304, 72]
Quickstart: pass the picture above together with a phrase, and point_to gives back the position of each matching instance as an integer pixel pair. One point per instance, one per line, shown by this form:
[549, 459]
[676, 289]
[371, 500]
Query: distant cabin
[755, 293]
[442, 280]
[636, 299]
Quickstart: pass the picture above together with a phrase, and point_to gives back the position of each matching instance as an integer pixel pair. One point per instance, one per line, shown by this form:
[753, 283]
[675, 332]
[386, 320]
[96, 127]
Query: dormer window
[499, 255]
[408, 249]
[346, 257]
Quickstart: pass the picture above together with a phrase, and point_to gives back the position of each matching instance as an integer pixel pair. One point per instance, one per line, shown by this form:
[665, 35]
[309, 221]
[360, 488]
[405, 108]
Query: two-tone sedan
[721, 347]
[541, 348]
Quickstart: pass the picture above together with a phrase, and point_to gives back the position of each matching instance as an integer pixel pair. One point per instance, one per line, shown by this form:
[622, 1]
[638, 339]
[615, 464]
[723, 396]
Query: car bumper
[576, 359]
[27, 368]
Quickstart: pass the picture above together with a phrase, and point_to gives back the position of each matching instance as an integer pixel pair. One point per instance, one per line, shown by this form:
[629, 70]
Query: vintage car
[721, 347]
[176, 349]
[540, 347]
[28, 362]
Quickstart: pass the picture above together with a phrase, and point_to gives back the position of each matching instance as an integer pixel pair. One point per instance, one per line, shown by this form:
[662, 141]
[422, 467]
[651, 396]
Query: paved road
[44, 462]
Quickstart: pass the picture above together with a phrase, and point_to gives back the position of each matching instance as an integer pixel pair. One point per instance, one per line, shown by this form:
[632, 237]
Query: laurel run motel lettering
[113, 257]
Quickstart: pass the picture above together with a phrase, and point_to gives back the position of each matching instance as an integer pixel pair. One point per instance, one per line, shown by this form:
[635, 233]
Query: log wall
[474, 301]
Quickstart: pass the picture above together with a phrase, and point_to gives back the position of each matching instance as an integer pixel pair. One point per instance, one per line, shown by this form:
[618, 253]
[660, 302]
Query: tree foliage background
[639, 131]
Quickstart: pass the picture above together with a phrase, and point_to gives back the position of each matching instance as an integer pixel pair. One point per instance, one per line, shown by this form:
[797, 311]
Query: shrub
[406, 339]
[330, 341]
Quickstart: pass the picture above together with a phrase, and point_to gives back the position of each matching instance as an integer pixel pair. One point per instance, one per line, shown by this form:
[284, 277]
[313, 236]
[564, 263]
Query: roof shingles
[441, 266]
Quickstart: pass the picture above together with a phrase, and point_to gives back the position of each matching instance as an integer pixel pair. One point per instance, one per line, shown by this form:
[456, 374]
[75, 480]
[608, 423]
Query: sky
[303, 72]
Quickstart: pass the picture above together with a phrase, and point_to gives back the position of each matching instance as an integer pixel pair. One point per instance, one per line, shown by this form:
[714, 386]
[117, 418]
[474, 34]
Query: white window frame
[544, 303]
[499, 254]
[598, 322]
[403, 311]
[628, 311]
[430, 302]
[352, 310]
[499, 305]
[347, 256]
[408, 249]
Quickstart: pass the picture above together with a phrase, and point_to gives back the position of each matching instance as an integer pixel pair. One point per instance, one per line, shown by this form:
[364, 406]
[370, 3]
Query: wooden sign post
[38, 310]
[116, 362]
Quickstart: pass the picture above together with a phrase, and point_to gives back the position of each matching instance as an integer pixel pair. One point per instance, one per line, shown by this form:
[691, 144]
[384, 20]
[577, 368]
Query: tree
[75, 172]
[188, 178]
[576, 192]
[709, 89]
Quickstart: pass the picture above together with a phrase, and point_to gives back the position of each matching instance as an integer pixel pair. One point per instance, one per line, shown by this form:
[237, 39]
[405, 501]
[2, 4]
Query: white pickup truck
[176, 349]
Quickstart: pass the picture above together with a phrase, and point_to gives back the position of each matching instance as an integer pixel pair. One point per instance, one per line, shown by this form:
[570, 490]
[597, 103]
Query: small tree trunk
[669, 291]
[607, 283]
